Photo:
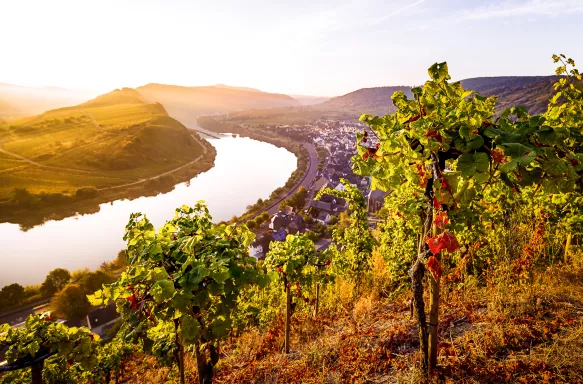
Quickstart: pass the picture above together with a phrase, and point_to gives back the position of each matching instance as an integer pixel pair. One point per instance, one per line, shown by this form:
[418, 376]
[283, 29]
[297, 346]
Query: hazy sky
[295, 46]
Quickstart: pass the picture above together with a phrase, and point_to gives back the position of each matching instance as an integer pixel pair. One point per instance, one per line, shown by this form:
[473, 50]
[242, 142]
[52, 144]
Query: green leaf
[163, 290]
[190, 330]
[475, 165]
[220, 276]
[158, 274]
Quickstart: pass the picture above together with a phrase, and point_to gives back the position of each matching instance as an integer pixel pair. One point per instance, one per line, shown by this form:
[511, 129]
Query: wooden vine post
[434, 287]
[567, 247]
[287, 316]
[37, 372]
[317, 303]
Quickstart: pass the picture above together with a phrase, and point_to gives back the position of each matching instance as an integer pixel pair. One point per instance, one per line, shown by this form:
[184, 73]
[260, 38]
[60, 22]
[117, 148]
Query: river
[244, 171]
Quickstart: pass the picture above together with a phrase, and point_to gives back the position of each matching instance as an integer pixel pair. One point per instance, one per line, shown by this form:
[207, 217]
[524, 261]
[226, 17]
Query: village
[335, 143]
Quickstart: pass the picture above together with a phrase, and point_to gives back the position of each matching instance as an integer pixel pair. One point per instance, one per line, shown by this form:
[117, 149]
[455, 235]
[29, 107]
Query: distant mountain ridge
[367, 100]
[532, 92]
[187, 103]
[19, 101]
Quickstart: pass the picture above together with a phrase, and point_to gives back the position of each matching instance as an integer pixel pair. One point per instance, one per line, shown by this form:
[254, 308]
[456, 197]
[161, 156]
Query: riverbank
[35, 210]
[302, 176]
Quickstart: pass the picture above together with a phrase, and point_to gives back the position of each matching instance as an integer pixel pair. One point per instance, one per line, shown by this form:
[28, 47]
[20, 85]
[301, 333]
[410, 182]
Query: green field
[115, 139]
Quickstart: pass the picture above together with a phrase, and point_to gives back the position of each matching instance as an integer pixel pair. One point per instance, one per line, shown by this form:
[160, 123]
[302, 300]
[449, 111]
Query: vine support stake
[434, 287]
[287, 316]
[567, 246]
[317, 300]
[37, 372]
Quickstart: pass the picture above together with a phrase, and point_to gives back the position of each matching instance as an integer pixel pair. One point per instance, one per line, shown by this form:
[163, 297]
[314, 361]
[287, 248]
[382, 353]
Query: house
[375, 200]
[288, 220]
[101, 319]
[320, 183]
[328, 206]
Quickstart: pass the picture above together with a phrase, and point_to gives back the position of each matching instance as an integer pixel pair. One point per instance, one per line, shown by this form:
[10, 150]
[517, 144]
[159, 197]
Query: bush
[251, 224]
[71, 302]
[22, 197]
[11, 295]
[86, 193]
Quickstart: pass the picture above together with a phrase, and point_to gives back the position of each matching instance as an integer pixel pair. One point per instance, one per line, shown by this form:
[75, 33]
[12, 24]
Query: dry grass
[492, 333]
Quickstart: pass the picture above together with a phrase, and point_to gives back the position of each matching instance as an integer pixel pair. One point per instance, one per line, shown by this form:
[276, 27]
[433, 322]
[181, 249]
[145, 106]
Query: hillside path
[204, 152]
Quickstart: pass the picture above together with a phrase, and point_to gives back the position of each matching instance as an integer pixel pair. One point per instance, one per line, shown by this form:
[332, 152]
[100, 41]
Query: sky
[310, 47]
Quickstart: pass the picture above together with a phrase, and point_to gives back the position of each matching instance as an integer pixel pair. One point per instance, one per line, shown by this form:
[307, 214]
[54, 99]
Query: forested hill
[187, 103]
[532, 92]
[370, 100]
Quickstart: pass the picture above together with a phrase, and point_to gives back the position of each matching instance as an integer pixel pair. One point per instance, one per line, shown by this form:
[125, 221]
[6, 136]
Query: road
[18, 316]
[305, 182]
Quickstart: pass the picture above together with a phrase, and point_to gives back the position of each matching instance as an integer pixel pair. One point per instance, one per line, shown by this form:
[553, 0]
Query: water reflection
[244, 171]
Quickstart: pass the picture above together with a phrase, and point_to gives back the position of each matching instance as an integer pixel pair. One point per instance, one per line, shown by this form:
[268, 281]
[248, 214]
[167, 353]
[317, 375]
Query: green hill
[115, 139]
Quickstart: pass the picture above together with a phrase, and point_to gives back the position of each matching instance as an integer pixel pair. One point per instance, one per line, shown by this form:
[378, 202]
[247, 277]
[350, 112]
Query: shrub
[71, 302]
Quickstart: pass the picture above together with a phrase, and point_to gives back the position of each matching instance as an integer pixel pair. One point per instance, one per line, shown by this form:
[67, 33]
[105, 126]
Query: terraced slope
[114, 139]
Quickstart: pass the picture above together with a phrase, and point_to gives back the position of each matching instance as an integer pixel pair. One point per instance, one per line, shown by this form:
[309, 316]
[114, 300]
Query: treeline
[66, 291]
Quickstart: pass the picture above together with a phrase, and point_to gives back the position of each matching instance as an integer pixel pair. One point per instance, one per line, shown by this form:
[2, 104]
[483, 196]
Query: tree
[182, 285]
[55, 281]
[93, 281]
[284, 204]
[11, 295]
[265, 216]
[251, 224]
[447, 148]
[71, 302]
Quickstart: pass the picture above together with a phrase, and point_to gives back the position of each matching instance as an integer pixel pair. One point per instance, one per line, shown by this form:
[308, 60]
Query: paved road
[18, 317]
[305, 182]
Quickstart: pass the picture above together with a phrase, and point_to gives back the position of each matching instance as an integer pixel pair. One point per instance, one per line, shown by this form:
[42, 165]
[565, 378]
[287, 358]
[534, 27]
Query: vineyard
[473, 274]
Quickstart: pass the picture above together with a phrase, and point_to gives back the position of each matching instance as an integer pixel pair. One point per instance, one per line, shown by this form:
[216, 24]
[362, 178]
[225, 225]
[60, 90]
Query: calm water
[244, 171]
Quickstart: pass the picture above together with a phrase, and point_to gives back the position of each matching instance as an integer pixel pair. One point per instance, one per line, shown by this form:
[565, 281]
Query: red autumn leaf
[372, 152]
[436, 135]
[445, 240]
[133, 302]
[441, 219]
[436, 203]
[434, 267]
[422, 174]
[498, 156]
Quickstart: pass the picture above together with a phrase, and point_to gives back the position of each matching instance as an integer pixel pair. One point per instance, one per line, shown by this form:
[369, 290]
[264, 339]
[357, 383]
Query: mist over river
[244, 171]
